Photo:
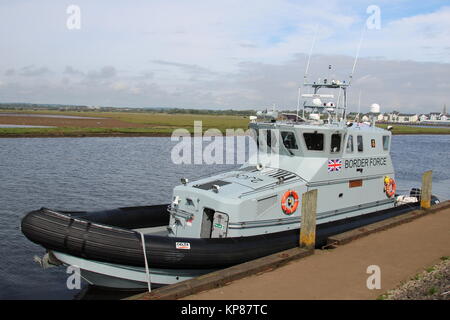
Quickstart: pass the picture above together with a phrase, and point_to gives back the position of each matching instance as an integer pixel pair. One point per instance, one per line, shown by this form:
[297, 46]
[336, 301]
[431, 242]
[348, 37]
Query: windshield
[289, 140]
[314, 141]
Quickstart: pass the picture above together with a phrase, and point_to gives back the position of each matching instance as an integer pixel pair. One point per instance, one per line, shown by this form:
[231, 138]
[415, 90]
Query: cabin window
[289, 141]
[359, 141]
[257, 139]
[350, 143]
[336, 142]
[269, 138]
[314, 141]
[386, 143]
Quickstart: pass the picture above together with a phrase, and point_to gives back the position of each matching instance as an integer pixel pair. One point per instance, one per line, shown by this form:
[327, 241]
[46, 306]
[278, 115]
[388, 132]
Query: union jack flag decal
[334, 165]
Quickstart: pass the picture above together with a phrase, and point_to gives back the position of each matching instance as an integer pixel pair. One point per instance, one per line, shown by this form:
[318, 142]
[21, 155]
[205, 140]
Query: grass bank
[83, 132]
[401, 129]
[143, 124]
[131, 124]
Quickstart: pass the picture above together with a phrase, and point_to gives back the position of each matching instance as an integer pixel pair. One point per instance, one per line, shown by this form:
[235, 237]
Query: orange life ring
[389, 186]
[289, 202]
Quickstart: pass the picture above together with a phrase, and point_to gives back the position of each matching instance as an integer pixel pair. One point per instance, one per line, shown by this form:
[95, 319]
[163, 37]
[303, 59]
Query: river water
[102, 173]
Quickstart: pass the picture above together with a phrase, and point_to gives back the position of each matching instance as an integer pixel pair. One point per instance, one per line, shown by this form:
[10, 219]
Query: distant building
[383, 117]
[408, 117]
[393, 116]
[434, 116]
[398, 117]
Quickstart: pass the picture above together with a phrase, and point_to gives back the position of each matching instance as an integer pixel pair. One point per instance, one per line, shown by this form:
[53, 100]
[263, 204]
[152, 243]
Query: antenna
[359, 105]
[298, 102]
[329, 72]
[338, 103]
[310, 53]
[306, 70]
[357, 53]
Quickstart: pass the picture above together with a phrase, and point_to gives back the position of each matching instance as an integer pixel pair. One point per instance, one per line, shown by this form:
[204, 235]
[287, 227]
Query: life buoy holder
[389, 186]
[289, 202]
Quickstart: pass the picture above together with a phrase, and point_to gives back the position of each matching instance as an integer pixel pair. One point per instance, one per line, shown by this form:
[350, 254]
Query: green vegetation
[155, 123]
[26, 107]
[80, 132]
[401, 129]
[432, 291]
[180, 120]
[144, 124]
[382, 297]
[416, 277]
[430, 269]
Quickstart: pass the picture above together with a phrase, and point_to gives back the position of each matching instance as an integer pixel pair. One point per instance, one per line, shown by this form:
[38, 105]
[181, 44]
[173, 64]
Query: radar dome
[375, 108]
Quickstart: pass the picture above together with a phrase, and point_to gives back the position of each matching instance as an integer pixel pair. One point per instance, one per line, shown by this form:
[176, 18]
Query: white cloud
[218, 54]
[423, 37]
[403, 85]
[119, 86]
[104, 73]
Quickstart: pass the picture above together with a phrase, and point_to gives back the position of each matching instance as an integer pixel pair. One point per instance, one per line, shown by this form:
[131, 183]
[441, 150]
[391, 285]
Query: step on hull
[115, 276]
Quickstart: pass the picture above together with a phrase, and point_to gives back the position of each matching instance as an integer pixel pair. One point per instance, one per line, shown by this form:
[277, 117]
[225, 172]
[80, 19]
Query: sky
[223, 54]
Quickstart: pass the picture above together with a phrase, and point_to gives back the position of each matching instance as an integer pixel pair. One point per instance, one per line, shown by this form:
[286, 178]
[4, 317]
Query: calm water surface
[101, 173]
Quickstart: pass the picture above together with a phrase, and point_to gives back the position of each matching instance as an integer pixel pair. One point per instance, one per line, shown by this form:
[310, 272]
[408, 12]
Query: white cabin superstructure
[349, 164]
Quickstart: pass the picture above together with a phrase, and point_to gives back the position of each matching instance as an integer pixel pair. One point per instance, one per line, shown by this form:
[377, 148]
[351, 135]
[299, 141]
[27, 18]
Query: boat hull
[112, 256]
[115, 276]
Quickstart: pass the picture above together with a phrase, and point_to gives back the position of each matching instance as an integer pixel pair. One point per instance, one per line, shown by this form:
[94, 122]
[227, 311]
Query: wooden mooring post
[308, 222]
[425, 197]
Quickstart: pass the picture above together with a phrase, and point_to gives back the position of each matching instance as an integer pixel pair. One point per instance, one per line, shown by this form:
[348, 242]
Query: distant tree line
[209, 111]
[60, 107]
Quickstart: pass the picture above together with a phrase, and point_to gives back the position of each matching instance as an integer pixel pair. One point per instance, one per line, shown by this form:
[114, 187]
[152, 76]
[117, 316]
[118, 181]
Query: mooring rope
[147, 272]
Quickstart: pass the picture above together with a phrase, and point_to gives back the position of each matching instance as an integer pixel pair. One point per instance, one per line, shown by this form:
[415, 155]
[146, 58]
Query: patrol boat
[240, 215]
